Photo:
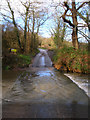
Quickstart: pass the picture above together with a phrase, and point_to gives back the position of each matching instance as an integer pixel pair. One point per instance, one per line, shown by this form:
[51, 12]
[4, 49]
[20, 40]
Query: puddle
[43, 90]
[45, 73]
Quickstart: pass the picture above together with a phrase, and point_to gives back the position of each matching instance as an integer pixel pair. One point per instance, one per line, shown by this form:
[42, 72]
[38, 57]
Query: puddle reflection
[45, 73]
[43, 91]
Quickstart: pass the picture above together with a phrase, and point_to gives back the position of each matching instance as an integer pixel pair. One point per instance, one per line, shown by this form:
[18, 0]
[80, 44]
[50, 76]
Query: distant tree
[38, 17]
[34, 17]
[58, 33]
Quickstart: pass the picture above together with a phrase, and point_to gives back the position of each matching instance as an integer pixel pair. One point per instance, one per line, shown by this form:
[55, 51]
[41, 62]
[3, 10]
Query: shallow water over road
[42, 59]
[42, 92]
[45, 93]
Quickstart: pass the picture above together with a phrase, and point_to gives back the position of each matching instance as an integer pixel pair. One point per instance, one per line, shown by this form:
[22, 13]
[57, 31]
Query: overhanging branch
[63, 16]
[81, 5]
[84, 35]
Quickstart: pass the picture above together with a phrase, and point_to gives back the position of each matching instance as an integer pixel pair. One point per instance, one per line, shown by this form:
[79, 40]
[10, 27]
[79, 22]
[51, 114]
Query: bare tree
[13, 21]
[74, 24]
[26, 16]
[33, 16]
[36, 17]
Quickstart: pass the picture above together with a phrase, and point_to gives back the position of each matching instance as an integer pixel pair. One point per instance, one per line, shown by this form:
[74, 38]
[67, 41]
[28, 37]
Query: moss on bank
[71, 60]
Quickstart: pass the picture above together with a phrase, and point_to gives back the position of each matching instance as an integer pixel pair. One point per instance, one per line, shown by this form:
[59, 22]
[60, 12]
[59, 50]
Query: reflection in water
[47, 93]
[41, 92]
[45, 73]
[49, 83]
[8, 80]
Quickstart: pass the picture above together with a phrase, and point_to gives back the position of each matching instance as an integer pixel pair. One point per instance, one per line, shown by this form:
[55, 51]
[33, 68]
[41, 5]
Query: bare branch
[84, 35]
[12, 12]
[7, 20]
[69, 15]
[68, 21]
[6, 15]
[63, 16]
[81, 16]
[20, 27]
[81, 5]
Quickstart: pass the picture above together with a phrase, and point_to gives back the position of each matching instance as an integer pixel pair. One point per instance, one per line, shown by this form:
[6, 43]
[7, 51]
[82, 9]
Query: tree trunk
[18, 38]
[75, 30]
[28, 41]
[25, 30]
[15, 25]
[32, 35]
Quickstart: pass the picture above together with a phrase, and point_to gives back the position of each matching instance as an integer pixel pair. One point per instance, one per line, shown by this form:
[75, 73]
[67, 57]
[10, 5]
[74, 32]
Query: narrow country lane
[43, 92]
[42, 59]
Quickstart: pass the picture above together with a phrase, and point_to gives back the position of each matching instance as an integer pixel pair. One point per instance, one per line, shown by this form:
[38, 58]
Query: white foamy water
[42, 61]
[81, 81]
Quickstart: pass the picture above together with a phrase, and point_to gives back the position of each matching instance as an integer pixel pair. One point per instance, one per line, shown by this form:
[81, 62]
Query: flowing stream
[42, 61]
[42, 92]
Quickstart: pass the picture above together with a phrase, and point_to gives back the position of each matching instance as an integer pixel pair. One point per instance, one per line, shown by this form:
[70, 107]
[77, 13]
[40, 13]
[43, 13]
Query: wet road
[42, 59]
[43, 92]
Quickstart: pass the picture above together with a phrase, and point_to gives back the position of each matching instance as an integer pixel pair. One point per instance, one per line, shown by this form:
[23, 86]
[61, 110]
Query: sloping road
[42, 92]
[42, 59]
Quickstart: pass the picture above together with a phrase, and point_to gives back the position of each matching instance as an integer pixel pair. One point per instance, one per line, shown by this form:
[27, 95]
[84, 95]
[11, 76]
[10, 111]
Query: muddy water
[8, 80]
[42, 93]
